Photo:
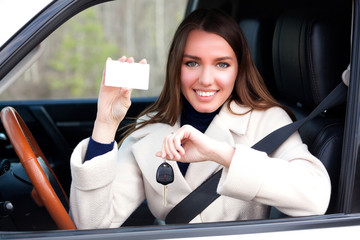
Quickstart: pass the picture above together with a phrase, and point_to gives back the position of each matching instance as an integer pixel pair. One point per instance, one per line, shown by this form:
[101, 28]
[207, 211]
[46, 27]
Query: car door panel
[58, 126]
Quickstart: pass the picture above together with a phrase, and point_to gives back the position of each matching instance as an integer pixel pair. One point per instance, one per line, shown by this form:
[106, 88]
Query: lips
[205, 93]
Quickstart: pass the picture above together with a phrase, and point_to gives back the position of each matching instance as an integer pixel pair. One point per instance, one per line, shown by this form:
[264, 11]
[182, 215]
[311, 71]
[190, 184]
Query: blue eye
[223, 65]
[192, 64]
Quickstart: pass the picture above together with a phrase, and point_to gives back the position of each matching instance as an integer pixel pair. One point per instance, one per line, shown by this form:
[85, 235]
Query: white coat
[108, 188]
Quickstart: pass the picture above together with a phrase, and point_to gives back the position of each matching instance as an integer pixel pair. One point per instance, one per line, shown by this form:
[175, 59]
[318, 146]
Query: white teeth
[205, 94]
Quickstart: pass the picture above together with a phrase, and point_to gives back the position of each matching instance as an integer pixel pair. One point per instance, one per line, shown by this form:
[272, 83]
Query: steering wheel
[37, 168]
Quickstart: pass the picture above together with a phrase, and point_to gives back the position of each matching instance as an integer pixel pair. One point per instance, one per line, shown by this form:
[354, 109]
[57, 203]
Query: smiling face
[208, 71]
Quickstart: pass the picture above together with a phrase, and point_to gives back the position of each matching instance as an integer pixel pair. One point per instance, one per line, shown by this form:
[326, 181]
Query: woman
[214, 106]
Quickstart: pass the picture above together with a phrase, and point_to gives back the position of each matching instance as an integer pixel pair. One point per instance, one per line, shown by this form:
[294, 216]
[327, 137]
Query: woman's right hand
[113, 104]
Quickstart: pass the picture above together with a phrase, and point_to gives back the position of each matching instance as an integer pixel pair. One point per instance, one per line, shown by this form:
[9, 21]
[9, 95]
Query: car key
[164, 176]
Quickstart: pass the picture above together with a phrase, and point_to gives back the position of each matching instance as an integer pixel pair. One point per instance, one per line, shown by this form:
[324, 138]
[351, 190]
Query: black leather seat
[259, 32]
[310, 52]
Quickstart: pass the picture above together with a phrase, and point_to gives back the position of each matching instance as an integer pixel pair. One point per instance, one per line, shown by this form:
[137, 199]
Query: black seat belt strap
[272, 141]
[206, 193]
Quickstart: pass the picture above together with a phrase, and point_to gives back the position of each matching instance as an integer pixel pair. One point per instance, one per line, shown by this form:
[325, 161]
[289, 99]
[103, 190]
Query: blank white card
[123, 74]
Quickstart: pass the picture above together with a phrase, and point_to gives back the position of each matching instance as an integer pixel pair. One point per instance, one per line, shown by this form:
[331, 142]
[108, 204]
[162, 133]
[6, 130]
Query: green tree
[75, 68]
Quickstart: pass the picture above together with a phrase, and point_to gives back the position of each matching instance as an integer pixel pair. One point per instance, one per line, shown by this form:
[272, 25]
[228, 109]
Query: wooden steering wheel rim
[28, 151]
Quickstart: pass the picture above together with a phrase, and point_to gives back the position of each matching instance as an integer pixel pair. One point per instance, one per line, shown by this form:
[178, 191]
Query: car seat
[259, 31]
[311, 49]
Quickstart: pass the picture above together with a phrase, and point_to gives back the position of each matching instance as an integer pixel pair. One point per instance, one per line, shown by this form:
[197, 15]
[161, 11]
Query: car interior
[301, 49]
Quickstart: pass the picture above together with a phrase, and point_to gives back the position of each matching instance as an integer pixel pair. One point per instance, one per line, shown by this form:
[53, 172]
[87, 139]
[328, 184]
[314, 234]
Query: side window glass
[74, 56]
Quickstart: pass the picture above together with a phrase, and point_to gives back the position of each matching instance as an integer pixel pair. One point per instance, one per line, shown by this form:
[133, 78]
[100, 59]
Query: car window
[74, 55]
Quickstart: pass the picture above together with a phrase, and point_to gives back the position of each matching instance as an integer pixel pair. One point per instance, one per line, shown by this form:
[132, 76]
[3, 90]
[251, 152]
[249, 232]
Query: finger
[126, 92]
[178, 146]
[171, 147]
[125, 98]
[162, 155]
[175, 146]
[143, 61]
[130, 60]
[158, 154]
[167, 147]
[122, 59]
[163, 151]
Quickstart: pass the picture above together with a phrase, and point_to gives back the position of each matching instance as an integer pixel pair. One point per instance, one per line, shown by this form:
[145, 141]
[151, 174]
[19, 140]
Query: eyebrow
[217, 59]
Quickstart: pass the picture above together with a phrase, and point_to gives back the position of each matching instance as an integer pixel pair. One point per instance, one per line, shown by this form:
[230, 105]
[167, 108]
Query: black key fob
[165, 174]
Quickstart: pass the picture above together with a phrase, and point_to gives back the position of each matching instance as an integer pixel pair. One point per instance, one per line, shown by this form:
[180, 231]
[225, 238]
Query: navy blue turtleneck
[189, 116]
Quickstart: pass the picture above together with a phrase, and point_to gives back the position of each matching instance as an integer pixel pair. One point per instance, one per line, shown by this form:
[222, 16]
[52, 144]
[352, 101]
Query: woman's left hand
[190, 145]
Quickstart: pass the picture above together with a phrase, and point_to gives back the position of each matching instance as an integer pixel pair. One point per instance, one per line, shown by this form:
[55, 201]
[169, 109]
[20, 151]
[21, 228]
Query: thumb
[126, 92]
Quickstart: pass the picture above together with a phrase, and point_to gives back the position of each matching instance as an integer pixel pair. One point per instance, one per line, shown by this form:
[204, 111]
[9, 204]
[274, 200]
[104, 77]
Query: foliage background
[72, 63]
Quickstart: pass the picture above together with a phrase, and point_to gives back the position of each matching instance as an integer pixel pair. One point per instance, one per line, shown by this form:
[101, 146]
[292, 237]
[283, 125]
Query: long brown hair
[249, 90]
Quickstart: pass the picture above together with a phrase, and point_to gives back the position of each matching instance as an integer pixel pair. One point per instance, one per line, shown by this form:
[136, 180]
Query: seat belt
[206, 193]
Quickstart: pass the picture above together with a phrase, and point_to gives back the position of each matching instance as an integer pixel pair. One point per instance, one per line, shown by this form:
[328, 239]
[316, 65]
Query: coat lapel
[222, 128]
[200, 171]
[144, 150]
[150, 140]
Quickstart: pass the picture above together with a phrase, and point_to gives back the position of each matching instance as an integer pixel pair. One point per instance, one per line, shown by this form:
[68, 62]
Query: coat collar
[238, 122]
[235, 123]
[150, 139]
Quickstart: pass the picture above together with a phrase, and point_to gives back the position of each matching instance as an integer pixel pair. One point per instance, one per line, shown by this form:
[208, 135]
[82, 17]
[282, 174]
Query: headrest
[259, 33]
[310, 51]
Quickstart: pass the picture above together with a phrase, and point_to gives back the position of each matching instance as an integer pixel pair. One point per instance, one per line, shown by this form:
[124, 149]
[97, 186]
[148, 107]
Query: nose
[206, 77]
